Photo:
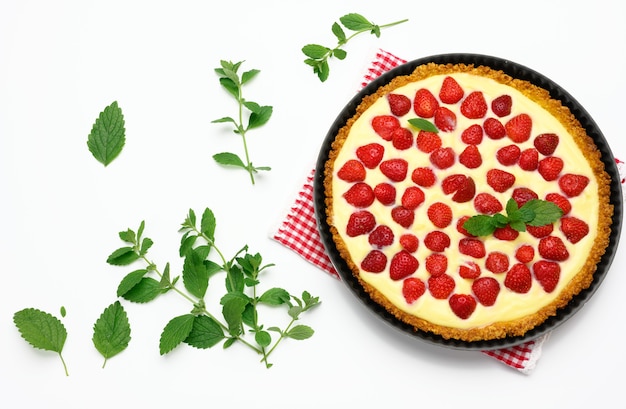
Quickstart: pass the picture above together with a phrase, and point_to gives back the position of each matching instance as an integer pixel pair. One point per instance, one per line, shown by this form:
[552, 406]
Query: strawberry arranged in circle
[486, 203]
[472, 247]
[474, 106]
[521, 195]
[385, 193]
[550, 168]
[412, 289]
[370, 154]
[441, 286]
[501, 106]
[506, 233]
[553, 248]
[443, 158]
[451, 92]
[425, 104]
[440, 214]
[519, 128]
[460, 186]
[573, 185]
[500, 180]
[352, 171]
[402, 265]
[384, 125]
[437, 241]
[462, 305]
[409, 242]
[494, 128]
[486, 290]
[561, 201]
[403, 216]
[497, 262]
[529, 159]
[470, 157]
[381, 236]
[436, 264]
[445, 119]
[428, 141]
[399, 104]
[540, 231]
[360, 195]
[508, 155]
[412, 197]
[469, 270]
[525, 253]
[424, 177]
[374, 262]
[395, 169]
[518, 279]
[472, 135]
[574, 229]
[360, 222]
[547, 273]
[402, 139]
[546, 143]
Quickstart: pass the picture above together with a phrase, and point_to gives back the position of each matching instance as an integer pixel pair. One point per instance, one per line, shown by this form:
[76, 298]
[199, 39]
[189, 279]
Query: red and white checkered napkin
[298, 232]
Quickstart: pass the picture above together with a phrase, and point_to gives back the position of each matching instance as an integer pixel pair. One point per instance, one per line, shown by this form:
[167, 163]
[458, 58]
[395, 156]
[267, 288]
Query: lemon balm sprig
[318, 55]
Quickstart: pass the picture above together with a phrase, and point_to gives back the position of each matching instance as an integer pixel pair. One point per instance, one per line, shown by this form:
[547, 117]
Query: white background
[62, 62]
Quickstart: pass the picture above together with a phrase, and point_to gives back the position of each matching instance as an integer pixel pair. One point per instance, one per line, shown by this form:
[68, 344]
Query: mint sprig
[257, 115]
[423, 124]
[242, 301]
[318, 55]
[535, 212]
[108, 135]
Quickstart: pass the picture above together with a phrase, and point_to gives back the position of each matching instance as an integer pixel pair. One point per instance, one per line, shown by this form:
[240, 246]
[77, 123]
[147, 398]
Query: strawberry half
[374, 262]
[486, 290]
[469, 270]
[412, 289]
[399, 104]
[402, 265]
[445, 119]
[462, 305]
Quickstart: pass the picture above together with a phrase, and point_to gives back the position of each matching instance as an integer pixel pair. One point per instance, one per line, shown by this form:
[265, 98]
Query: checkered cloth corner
[298, 232]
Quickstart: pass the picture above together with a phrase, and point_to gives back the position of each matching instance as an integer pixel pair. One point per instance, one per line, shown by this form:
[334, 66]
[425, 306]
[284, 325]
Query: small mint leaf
[339, 33]
[480, 225]
[423, 124]
[300, 332]
[122, 256]
[356, 22]
[111, 332]
[228, 159]
[248, 75]
[545, 212]
[175, 332]
[107, 137]
[315, 51]
[518, 225]
[205, 333]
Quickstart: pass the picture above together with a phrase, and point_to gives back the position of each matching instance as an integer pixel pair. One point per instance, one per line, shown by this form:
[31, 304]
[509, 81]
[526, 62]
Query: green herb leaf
[175, 332]
[263, 338]
[339, 33]
[107, 137]
[480, 225]
[208, 224]
[229, 159]
[147, 289]
[300, 332]
[123, 256]
[41, 330]
[111, 332]
[423, 124]
[260, 117]
[63, 311]
[195, 275]
[275, 296]
[233, 306]
[356, 22]
[130, 281]
[205, 333]
[315, 51]
[545, 212]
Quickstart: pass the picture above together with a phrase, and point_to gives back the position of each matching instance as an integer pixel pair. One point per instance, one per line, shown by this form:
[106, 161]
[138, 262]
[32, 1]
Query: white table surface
[62, 62]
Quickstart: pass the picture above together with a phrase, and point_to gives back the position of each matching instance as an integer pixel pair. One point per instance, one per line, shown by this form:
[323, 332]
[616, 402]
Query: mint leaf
[205, 333]
[208, 224]
[545, 212]
[480, 225]
[423, 124]
[356, 22]
[107, 137]
[122, 256]
[130, 281]
[274, 296]
[228, 159]
[175, 332]
[300, 332]
[41, 330]
[315, 51]
[111, 332]
[147, 289]
[339, 33]
[195, 275]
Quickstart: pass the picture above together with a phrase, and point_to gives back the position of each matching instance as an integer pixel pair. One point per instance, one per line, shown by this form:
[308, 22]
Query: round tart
[466, 203]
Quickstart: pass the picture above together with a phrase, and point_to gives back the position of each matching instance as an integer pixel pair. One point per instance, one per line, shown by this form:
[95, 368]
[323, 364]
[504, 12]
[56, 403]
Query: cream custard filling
[509, 305]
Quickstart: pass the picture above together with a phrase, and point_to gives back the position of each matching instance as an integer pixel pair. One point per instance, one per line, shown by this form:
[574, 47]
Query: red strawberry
[573, 185]
[529, 159]
[403, 264]
[508, 155]
[445, 119]
[518, 279]
[360, 222]
[425, 104]
[486, 290]
[540, 231]
[462, 186]
[501, 106]
[561, 201]
[412, 289]
[436, 264]
[500, 180]
[360, 195]
[470, 157]
[374, 262]
[472, 135]
[440, 214]
[437, 241]
[494, 128]
[521, 195]
[451, 92]
[460, 228]
[553, 248]
[547, 273]
[546, 143]
[469, 270]
[352, 171]
[381, 236]
[442, 158]
[497, 262]
[424, 177]
[409, 242]
[474, 106]
[550, 167]
[399, 104]
[486, 203]
[525, 253]
[385, 193]
[394, 169]
[519, 127]
[412, 197]
[462, 305]
[574, 229]
[472, 247]
[452, 183]
[404, 217]
[428, 141]
[384, 125]
[441, 286]
[402, 138]
[506, 233]
[370, 154]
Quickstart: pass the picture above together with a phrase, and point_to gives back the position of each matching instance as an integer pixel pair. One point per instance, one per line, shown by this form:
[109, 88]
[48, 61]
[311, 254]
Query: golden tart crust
[580, 280]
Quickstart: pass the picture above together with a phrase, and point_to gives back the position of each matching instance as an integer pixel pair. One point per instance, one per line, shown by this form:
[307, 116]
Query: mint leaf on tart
[423, 125]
